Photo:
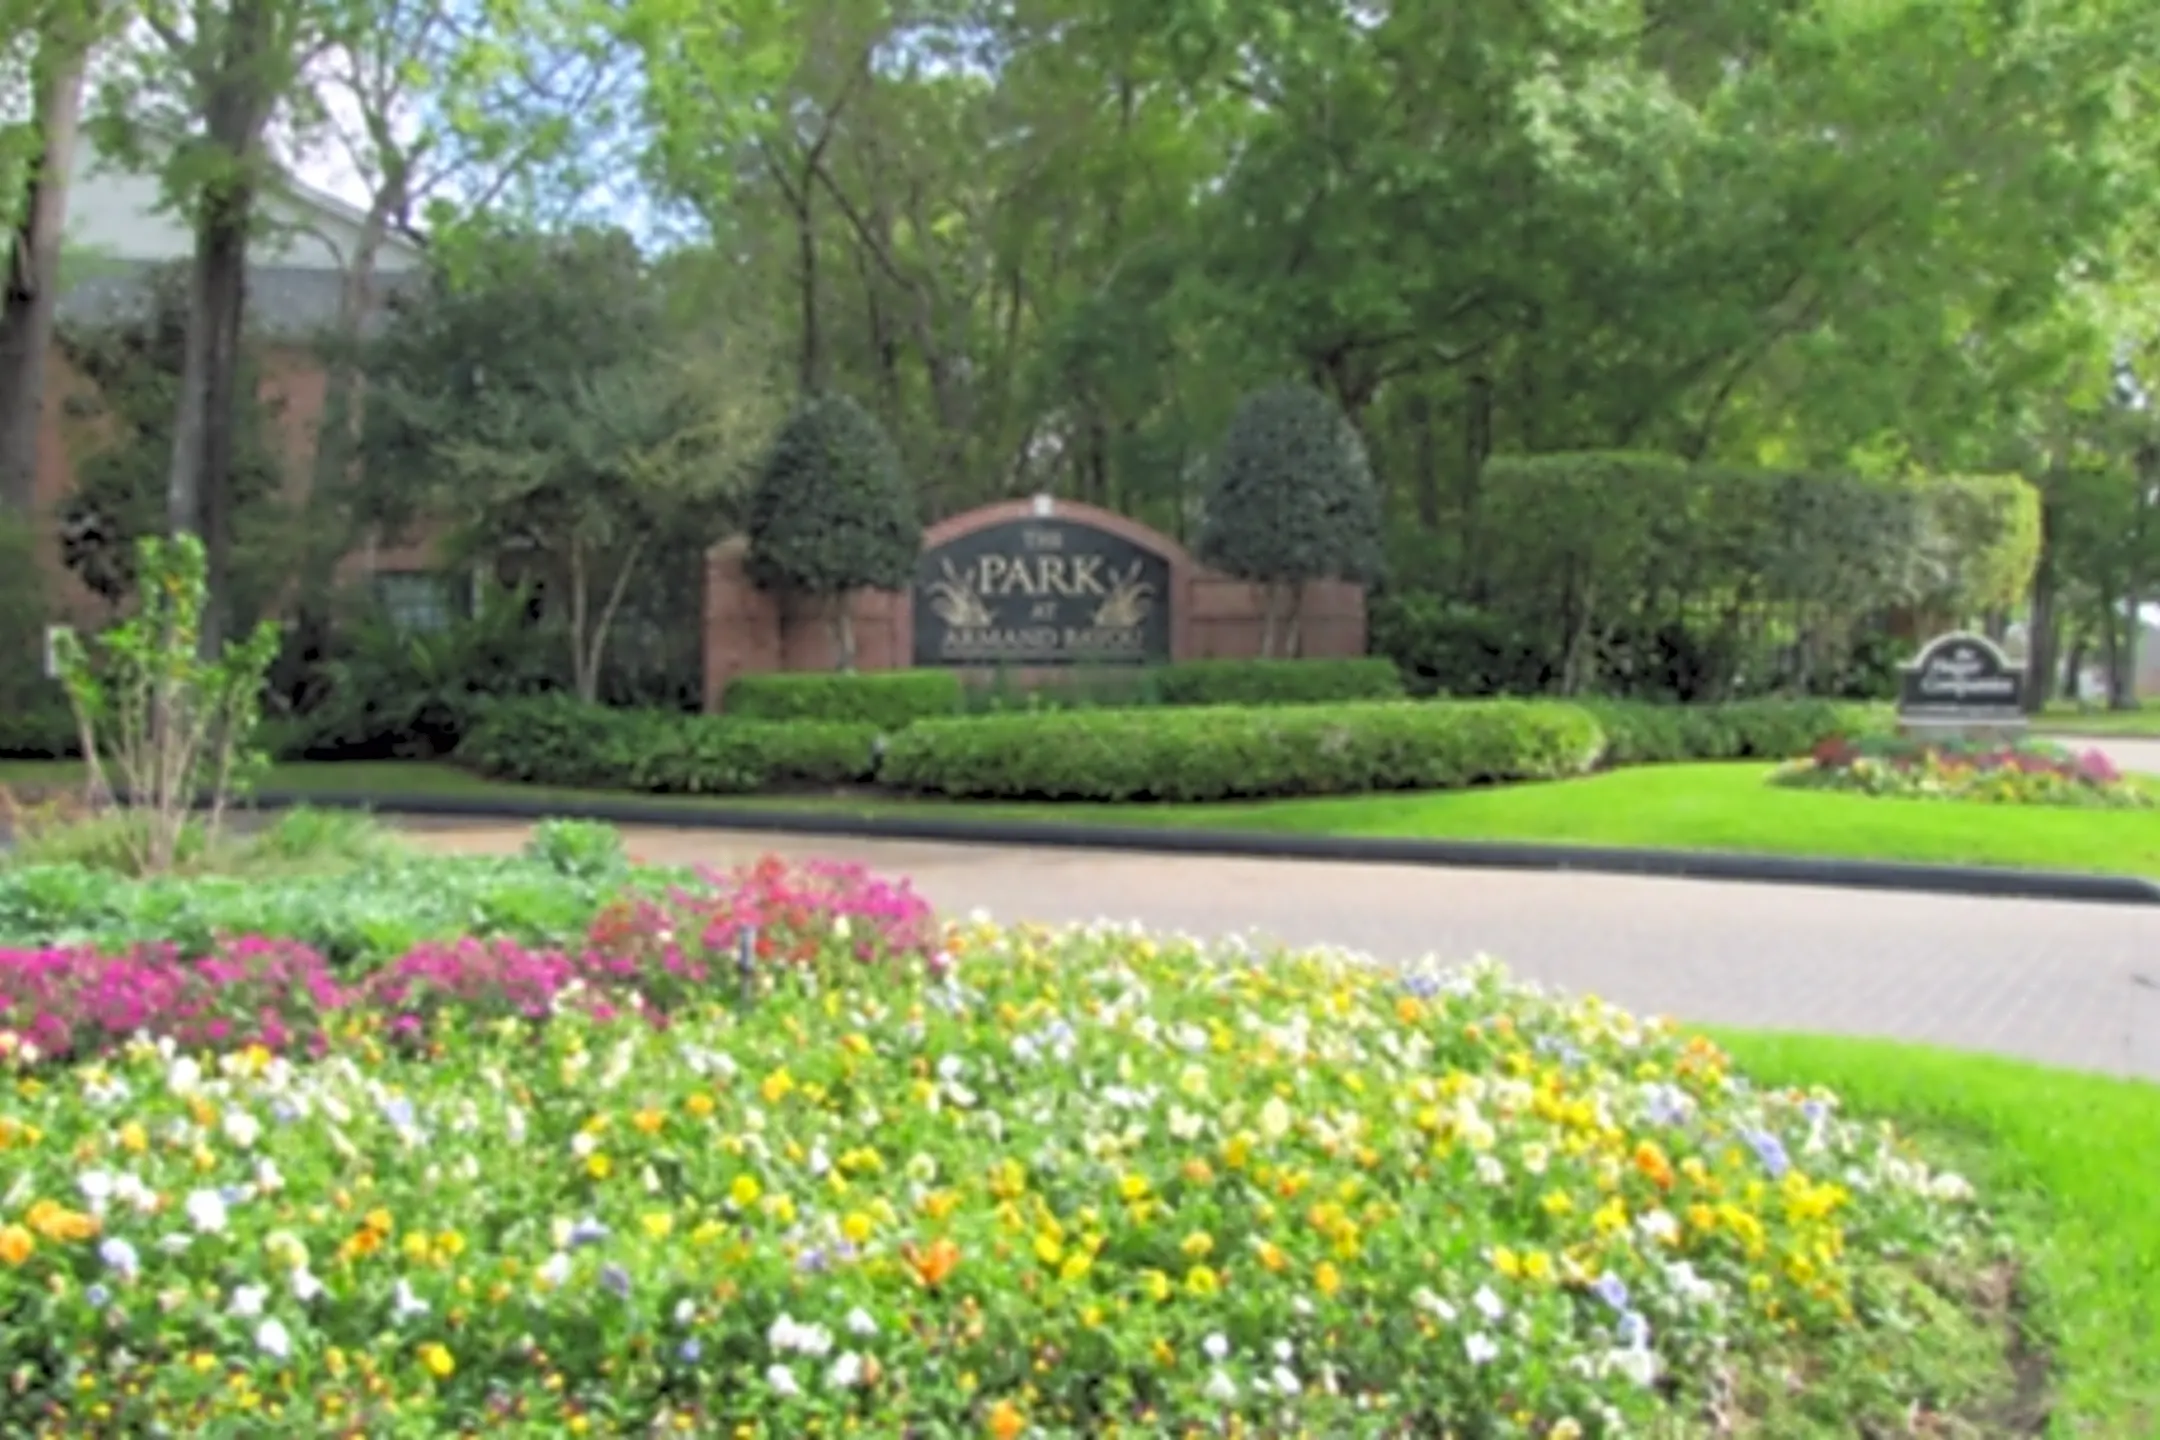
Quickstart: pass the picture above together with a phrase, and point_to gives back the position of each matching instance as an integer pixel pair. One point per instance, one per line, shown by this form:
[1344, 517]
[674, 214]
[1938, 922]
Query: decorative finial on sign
[1043, 506]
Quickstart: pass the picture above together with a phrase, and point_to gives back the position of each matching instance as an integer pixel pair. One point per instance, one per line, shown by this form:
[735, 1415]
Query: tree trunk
[2040, 626]
[843, 623]
[2073, 669]
[33, 279]
[1293, 625]
[807, 280]
[1270, 603]
[1425, 481]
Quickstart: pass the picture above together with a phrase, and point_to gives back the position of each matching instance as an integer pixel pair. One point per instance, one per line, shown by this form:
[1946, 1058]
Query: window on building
[420, 601]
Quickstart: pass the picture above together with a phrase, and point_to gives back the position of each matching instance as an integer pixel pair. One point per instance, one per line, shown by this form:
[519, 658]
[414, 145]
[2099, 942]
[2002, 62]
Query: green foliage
[1292, 496]
[176, 727]
[547, 398]
[558, 740]
[832, 511]
[121, 438]
[64, 832]
[1226, 753]
[35, 722]
[1642, 733]
[1446, 647]
[357, 918]
[1980, 542]
[1277, 682]
[388, 691]
[889, 699]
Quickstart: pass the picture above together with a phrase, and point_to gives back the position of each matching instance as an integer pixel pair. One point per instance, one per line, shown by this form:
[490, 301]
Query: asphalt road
[2067, 984]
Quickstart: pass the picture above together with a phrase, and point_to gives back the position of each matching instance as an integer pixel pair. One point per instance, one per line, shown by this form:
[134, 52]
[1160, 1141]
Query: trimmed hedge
[43, 729]
[1280, 682]
[1640, 733]
[889, 699]
[558, 740]
[1222, 753]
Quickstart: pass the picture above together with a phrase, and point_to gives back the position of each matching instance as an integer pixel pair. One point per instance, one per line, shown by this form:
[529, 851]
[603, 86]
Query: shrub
[832, 512]
[1279, 682]
[1292, 499]
[889, 699]
[560, 740]
[40, 728]
[1991, 772]
[1640, 733]
[1444, 648]
[1079, 1180]
[1225, 752]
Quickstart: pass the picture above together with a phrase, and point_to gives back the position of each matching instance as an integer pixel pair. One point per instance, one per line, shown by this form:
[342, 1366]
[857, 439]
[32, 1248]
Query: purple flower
[1634, 1330]
[1771, 1151]
[615, 1280]
[1612, 1290]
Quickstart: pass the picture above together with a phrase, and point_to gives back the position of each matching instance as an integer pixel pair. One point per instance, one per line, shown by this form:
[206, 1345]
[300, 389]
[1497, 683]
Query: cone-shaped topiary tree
[832, 512]
[1292, 499]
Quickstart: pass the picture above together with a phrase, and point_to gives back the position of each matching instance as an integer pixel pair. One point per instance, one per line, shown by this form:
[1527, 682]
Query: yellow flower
[1076, 1265]
[1201, 1281]
[1134, 1186]
[776, 1087]
[1237, 1150]
[648, 1121]
[659, 1225]
[438, 1360]
[1537, 1265]
[450, 1244]
[16, 1244]
[1505, 1261]
[133, 1137]
[379, 1221]
[1199, 1172]
[1556, 1202]
[1008, 1180]
[416, 1247]
[857, 1226]
[1156, 1284]
[1048, 1249]
[745, 1191]
[1326, 1278]
[599, 1166]
[1272, 1256]
[699, 1105]
[1197, 1244]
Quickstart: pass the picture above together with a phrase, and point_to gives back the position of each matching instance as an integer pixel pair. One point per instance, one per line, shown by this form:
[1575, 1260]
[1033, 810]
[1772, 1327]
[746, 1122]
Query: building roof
[284, 301]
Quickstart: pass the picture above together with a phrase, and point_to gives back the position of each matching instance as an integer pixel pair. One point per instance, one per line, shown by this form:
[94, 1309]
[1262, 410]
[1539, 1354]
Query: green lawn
[1682, 807]
[2073, 1163]
[2063, 718]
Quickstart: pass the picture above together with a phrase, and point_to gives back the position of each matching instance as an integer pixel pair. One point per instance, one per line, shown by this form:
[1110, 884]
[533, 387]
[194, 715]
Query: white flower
[242, 1128]
[1636, 1362]
[846, 1371]
[176, 1243]
[247, 1300]
[782, 1381]
[1950, 1188]
[1286, 1383]
[1490, 1171]
[860, 1323]
[840, 927]
[555, 1270]
[1433, 1305]
[96, 1186]
[1221, 1388]
[206, 1211]
[1216, 1346]
[1274, 1118]
[583, 1144]
[273, 1339]
[685, 1311]
[1488, 1304]
[514, 1124]
[120, 1257]
[1184, 1124]
[1659, 1225]
[184, 1076]
[1283, 1351]
[1480, 1347]
[405, 1305]
[268, 1178]
[305, 1286]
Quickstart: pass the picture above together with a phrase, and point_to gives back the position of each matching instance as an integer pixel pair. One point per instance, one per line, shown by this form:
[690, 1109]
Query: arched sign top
[1026, 584]
[1962, 675]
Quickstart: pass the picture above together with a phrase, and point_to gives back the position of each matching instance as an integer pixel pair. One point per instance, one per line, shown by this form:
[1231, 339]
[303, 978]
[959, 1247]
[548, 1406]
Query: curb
[1976, 882]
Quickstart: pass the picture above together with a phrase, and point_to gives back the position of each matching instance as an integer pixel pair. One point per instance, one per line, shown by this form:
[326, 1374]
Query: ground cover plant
[1023, 1182]
[2023, 772]
[356, 917]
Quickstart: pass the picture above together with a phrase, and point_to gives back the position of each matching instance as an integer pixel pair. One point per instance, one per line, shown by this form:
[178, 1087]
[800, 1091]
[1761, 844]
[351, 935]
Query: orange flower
[932, 1266]
[1650, 1159]
[648, 1121]
[1006, 1422]
[16, 1244]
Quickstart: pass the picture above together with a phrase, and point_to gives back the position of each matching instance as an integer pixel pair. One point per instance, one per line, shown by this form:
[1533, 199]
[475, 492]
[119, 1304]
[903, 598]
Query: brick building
[118, 235]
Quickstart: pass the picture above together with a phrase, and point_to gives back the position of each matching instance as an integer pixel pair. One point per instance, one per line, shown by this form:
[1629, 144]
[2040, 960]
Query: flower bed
[1030, 1184]
[2025, 772]
[648, 952]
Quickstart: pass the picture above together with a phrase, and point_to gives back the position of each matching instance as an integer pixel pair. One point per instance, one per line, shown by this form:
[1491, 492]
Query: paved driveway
[2138, 755]
[2067, 984]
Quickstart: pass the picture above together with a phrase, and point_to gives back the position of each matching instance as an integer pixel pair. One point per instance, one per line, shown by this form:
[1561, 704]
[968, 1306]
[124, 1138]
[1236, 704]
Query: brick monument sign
[1028, 587]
